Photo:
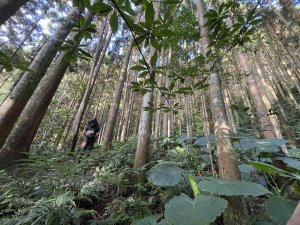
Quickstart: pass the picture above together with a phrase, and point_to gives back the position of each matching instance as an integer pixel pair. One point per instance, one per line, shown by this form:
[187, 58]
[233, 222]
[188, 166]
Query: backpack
[90, 133]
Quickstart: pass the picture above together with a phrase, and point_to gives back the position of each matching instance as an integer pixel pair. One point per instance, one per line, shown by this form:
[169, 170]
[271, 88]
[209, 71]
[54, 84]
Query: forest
[149, 112]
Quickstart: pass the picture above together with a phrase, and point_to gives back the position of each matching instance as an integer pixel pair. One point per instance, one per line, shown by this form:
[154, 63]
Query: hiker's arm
[295, 219]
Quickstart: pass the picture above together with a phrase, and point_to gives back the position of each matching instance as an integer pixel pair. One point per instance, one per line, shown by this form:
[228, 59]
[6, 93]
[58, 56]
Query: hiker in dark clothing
[90, 132]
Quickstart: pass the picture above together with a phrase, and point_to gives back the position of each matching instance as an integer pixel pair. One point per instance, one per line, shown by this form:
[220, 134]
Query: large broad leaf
[232, 187]
[201, 211]
[260, 145]
[294, 153]
[204, 140]
[264, 222]
[294, 163]
[246, 168]
[164, 222]
[269, 144]
[280, 209]
[165, 175]
[245, 143]
[149, 220]
[263, 167]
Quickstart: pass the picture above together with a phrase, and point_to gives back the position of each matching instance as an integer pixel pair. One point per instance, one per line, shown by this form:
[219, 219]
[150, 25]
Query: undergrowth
[96, 187]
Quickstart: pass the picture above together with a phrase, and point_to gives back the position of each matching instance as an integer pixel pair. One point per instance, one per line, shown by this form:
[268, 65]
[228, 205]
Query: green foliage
[62, 188]
[113, 21]
[165, 175]
[232, 187]
[149, 220]
[193, 183]
[199, 211]
[280, 209]
[9, 64]
[264, 167]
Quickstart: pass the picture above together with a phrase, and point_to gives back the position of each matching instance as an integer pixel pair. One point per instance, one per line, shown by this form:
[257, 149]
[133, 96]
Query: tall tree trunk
[21, 137]
[88, 91]
[9, 7]
[15, 102]
[236, 213]
[125, 129]
[267, 128]
[114, 107]
[274, 102]
[144, 132]
[207, 132]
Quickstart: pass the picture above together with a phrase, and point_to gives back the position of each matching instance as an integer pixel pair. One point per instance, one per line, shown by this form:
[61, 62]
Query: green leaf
[149, 14]
[85, 53]
[164, 222]
[87, 3]
[139, 68]
[69, 57]
[263, 167]
[149, 220]
[201, 211]
[264, 222]
[101, 8]
[165, 175]
[139, 40]
[127, 8]
[280, 209]
[143, 74]
[113, 21]
[153, 60]
[194, 185]
[232, 187]
[138, 29]
[165, 33]
[294, 163]
[8, 68]
[154, 43]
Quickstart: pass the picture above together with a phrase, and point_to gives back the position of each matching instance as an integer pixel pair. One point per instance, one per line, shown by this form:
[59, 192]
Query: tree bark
[88, 91]
[21, 137]
[267, 128]
[144, 132]
[9, 7]
[236, 213]
[15, 102]
[114, 107]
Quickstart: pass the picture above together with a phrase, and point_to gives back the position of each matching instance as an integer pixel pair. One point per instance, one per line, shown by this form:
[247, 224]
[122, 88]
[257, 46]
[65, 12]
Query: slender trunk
[274, 102]
[114, 107]
[236, 213]
[125, 128]
[158, 113]
[19, 142]
[13, 105]
[228, 109]
[267, 128]
[144, 132]
[9, 7]
[23, 134]
[83, 105]
[207, 132]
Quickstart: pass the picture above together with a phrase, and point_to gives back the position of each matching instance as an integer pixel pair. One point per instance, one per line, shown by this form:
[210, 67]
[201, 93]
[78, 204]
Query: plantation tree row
[155, 70]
